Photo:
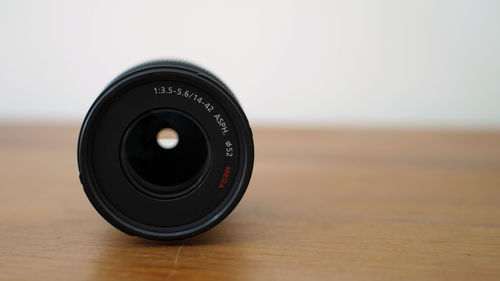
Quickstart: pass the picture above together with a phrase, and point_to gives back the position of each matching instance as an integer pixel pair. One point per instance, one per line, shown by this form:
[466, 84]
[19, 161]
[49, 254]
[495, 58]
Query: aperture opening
[167, 138]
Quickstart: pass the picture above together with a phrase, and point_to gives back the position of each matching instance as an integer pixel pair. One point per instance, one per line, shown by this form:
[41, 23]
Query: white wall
[365, 62]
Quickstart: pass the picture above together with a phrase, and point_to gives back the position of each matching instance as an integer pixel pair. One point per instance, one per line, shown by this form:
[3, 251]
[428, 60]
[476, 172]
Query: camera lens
[165, 152]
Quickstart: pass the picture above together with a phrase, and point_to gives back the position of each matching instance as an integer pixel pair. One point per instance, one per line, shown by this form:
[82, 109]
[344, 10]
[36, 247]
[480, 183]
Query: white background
[291, 63]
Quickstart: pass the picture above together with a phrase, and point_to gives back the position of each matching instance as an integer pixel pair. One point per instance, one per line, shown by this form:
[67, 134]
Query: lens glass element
[165, 152]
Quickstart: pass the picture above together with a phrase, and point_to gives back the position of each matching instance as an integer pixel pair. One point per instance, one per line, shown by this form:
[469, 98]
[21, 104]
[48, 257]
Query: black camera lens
[165, 152]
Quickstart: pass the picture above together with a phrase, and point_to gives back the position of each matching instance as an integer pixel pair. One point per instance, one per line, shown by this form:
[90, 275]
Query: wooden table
[322, 205]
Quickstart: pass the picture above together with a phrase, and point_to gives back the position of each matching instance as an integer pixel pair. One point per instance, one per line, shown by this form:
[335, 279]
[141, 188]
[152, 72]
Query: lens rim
[243, 133]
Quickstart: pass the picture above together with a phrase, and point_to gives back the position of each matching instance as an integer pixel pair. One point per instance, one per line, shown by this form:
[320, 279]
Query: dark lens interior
[161, 171]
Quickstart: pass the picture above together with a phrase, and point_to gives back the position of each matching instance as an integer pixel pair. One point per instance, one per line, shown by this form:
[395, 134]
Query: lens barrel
[173, 187]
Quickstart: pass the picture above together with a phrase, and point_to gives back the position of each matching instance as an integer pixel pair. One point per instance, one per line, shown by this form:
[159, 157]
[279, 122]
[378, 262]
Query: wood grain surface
[322, 205]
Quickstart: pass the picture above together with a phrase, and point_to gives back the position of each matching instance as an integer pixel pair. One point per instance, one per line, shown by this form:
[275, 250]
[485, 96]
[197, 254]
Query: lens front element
[160, 172]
